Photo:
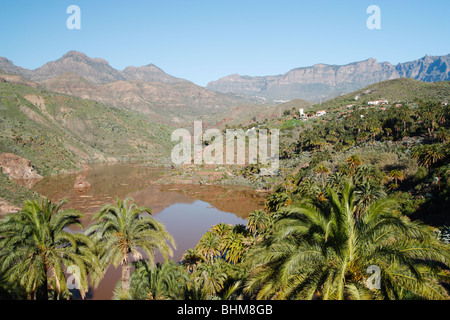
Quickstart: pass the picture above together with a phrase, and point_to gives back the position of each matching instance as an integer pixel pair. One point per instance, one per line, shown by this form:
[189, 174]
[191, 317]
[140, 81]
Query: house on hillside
[377, 102]
[320, 113]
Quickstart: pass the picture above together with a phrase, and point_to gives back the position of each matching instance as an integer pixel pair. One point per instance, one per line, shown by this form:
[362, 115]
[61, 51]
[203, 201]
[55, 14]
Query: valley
[369, 160]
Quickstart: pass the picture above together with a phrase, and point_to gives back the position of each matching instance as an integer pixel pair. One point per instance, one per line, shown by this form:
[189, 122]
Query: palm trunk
[439, 179]
[126, 275]
[43, 292]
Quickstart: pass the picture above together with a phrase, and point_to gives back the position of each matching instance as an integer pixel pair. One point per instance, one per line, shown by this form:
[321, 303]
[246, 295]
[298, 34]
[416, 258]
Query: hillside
[398, 90]
[249, 115]
[174, 103]
[59, 133]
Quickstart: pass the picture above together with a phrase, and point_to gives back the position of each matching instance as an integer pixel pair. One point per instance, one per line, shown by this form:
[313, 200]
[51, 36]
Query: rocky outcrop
[15, 79]
[6, 208]
[81, 184]
[16, 167]
[429, 69]
[9, 67]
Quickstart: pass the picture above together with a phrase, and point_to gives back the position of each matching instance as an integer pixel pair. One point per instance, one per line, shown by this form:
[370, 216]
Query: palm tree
[208, 279]
[404, 115]
[367, 173]
[275, 201]
[191, 259]
[307, 187]
[233, 246]
[396, 175]
[388, 132]
[354, 161]
[326, 252]
[258, 221]
[335, 180]
[209, 246]
[221, 229]
[37, 248]
[322, 171]
[429, 113]
[166, 281]
[429, 155]
[121, 229]
[443, 135]
[366, 193]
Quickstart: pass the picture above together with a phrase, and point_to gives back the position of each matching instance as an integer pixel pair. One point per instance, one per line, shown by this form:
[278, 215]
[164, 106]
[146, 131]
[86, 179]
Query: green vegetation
[359, 189]
[14, 193]
[323, 249]
[299, 247]
[57, 133]
[36, 249]
[122, 230]
[404, 144]
[402, 90]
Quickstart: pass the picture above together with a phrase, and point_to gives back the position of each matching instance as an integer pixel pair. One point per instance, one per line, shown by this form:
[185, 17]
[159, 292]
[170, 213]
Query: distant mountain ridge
[322, 81]
[95, 70]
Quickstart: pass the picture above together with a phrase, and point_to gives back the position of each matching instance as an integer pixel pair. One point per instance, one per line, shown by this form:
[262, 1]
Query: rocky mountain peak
[4, 61]
[75, 54]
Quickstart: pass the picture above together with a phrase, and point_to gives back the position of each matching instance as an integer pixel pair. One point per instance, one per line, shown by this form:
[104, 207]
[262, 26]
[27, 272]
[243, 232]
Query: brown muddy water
[186, 210]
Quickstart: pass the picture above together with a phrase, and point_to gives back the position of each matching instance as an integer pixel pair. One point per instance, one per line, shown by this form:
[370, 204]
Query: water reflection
[187, 211]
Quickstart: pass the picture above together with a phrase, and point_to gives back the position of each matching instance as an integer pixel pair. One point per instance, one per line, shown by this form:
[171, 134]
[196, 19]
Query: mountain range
[147, 89]
[95, 70]
[168, 99]
[322, 82]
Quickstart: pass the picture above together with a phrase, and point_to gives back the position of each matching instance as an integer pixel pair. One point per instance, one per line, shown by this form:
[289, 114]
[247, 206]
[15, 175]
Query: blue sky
[203, 40]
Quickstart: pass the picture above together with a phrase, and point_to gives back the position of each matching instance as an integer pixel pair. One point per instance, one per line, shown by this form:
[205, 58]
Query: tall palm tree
[396, 175]
[322, 171]
[326, 252]
[123, 229]
[37, 248]
[429, 155]
[429, 113]
[335, 180]
[354, 161]
[275, 201]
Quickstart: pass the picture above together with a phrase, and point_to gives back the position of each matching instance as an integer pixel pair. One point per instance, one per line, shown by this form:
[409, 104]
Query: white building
[378, 102]
[320, 113]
